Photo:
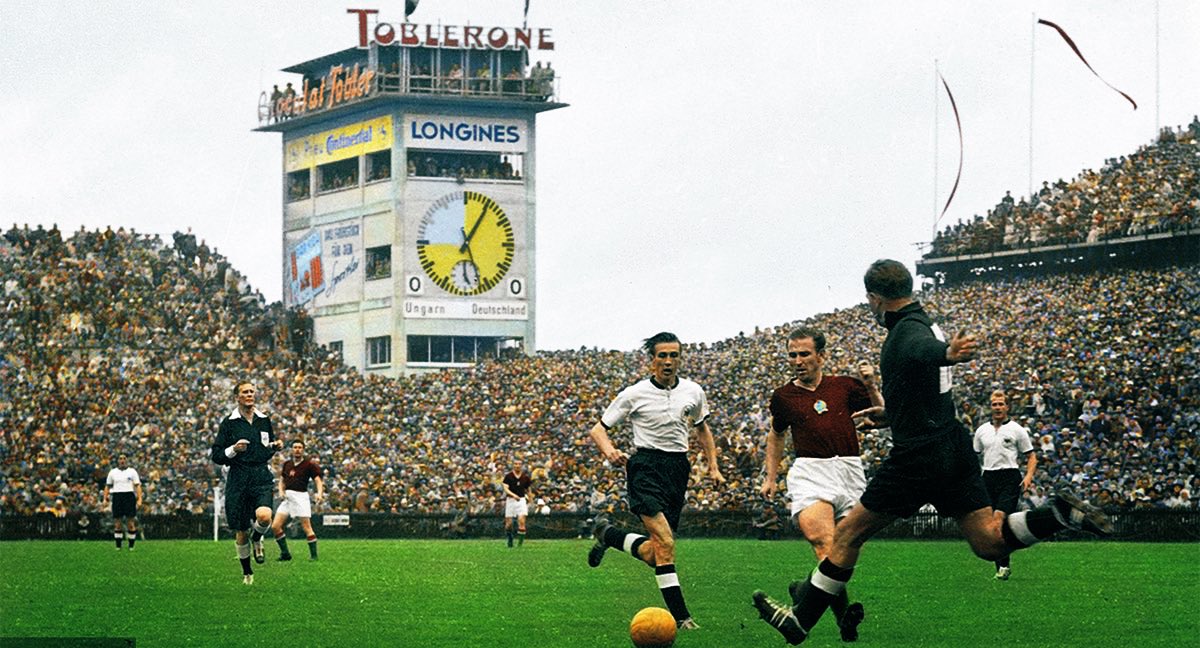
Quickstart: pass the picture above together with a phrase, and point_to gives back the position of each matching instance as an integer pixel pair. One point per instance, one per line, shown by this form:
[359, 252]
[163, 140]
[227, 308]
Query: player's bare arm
[611, 453]
[704, 433]
[774, 454]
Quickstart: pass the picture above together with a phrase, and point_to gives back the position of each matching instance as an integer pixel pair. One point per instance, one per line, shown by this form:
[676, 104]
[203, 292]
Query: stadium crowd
[1155, 189]
[115, 342]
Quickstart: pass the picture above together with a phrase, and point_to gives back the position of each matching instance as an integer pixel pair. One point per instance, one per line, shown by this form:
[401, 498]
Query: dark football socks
[668, 585]
[825, 584]
[1026, 528]
[243, 551]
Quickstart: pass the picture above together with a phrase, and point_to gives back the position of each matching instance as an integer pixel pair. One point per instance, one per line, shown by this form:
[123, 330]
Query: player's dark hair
[295, 441]
[238, 386]
[659, 338]
[818, 337]
[888, 279]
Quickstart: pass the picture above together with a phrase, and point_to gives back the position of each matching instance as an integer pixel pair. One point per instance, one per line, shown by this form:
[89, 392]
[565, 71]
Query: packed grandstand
[117, 342]
[1151, 190]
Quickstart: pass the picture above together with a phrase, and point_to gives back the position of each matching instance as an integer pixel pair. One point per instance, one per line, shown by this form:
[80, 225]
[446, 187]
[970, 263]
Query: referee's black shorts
[243, 497]
[657, 483]
[124, 505]
[1003, 488]
[943, 471]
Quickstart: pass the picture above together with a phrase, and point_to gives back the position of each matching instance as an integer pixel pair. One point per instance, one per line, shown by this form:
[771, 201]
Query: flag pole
[936, 72]
[1032, 49]
[1157, 84]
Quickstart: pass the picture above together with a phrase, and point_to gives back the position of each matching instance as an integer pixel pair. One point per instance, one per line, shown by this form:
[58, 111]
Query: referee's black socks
[1025, 528]
[243, 552]
[826, 583]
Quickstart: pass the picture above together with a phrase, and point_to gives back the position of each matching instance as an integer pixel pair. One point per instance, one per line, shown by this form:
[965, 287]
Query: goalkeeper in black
[246, 442]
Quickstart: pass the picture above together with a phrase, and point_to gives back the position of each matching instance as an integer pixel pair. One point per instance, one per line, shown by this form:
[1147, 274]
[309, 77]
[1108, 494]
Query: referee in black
[662, 410]
[932, 460]
[246, 442]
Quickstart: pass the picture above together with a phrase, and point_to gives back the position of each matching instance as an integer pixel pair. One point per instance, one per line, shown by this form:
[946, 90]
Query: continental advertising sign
[338, 144]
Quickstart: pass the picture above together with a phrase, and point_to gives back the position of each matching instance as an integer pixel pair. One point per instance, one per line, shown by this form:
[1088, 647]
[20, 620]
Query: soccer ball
[652, 627]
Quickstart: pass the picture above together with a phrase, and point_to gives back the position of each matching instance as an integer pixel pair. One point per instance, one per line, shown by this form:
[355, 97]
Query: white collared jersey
[1002, 446]
[661, 418]
[122, 481]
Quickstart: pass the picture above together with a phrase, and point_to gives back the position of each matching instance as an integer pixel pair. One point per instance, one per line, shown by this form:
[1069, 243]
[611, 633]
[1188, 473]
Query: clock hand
[474, 228]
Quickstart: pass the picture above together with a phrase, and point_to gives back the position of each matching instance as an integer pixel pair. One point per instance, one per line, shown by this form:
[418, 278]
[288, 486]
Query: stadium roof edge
[321, 62]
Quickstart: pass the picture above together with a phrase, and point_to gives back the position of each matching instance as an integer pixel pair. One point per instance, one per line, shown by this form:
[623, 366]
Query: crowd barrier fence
[1133, 525]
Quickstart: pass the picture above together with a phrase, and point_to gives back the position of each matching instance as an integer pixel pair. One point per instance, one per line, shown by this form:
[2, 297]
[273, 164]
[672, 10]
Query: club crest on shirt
[266, 439]
[820, 406]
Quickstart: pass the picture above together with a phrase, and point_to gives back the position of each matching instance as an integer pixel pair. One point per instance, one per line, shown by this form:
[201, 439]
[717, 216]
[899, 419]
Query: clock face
[465, 243]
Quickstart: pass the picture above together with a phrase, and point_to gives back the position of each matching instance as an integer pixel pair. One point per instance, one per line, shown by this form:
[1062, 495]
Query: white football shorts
[516, 507]
[837, 480]
[296, 504]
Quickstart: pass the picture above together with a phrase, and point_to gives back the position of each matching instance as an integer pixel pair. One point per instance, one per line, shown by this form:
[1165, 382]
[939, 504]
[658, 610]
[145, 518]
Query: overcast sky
[722, 165]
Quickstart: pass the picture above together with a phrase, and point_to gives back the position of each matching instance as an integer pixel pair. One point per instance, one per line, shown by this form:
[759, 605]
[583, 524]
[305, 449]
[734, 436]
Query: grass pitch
[479, 593]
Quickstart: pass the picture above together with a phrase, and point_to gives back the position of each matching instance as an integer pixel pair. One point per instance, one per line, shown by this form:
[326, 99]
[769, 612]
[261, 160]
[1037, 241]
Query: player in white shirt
[1000, 443]
[662, 410]
[126, 489]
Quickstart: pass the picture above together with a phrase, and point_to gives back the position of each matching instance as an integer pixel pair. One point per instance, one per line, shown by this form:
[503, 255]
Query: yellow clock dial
[465, 243]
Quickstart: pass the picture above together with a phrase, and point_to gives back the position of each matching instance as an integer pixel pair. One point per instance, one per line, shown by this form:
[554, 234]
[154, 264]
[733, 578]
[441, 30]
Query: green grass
[478, 593]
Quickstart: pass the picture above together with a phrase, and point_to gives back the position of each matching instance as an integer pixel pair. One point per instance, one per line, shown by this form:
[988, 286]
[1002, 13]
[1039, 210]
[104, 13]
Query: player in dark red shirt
[293, 490]
[516, 502]
[826, 477]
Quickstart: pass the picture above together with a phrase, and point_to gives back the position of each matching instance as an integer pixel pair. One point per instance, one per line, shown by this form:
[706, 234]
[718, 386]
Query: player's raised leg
[610, 537]
[826, 582]
[994, 535]
[817, 524]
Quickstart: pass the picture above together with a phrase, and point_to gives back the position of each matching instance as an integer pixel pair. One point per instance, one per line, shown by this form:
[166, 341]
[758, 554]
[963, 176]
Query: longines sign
[449, 36]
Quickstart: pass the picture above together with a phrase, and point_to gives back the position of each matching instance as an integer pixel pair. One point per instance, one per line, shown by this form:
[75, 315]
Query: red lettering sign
[362, 23]
[448, 36]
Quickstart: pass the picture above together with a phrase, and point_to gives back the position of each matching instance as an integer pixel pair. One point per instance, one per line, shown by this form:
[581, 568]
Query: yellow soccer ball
[652, 627]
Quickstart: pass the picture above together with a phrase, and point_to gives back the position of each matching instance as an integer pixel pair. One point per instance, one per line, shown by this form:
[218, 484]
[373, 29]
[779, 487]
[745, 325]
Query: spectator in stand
[289, 102]
[273, 112]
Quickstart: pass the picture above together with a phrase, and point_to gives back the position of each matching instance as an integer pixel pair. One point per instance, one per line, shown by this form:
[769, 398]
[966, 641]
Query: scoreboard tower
[408, 182]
